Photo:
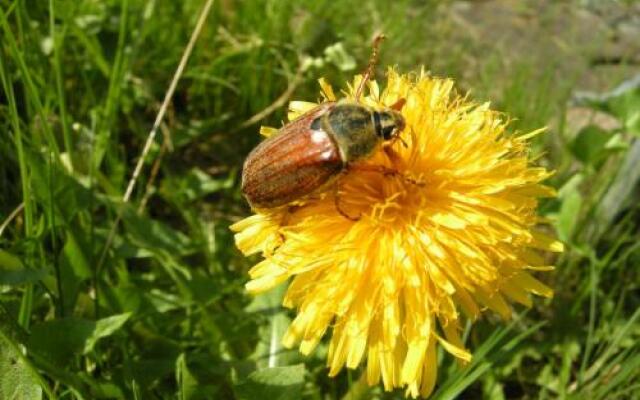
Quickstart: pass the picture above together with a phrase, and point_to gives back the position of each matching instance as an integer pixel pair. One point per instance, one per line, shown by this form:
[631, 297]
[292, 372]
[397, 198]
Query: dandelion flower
[396, 283]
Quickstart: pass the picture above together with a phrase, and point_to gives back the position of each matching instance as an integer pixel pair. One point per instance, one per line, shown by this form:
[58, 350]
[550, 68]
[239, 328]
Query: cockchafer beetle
[307, 154]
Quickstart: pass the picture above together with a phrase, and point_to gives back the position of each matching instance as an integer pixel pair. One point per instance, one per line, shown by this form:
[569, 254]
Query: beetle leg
[336, 201]
[393, 156]
[284, 221]
[287, 213]
[386, 171]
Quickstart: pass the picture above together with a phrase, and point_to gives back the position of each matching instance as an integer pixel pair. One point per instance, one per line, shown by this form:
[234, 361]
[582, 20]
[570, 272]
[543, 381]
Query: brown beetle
[305, 155]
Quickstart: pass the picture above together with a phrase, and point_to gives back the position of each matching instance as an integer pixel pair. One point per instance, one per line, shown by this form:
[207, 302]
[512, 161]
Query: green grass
[166, 315]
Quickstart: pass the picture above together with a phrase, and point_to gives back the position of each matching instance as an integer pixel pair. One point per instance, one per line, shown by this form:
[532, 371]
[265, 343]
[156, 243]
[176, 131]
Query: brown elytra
[294, 162]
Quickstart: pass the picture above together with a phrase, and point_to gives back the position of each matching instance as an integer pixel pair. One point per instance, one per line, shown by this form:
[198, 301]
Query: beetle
[306, 155]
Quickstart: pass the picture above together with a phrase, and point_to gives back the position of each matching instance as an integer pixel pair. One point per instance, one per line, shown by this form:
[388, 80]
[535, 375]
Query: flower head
[452, 233]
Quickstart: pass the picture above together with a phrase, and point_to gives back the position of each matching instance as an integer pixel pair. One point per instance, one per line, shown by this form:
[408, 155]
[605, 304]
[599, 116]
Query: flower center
[384, 198]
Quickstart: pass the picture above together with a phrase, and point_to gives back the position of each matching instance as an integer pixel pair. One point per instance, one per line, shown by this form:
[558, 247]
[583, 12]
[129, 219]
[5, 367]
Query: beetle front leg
[386, 171]
[287, 211]
[393, 156]
[336, 201]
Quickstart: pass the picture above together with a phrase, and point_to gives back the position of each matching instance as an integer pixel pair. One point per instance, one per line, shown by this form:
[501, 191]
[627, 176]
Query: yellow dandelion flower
[392, 285]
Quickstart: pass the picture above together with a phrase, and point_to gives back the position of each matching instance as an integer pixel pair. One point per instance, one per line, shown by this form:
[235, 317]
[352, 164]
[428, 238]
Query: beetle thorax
[353, 128]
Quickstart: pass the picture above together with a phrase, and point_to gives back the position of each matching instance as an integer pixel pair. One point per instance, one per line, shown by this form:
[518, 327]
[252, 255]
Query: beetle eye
[387, 132]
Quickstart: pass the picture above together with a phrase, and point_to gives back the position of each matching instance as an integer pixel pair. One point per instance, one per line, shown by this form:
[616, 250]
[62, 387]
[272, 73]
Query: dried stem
[10, 218]
[279, 102]
[152, 134]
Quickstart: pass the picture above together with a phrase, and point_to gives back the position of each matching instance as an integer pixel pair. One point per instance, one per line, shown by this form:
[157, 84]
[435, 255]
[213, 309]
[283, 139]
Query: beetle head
[391, 123]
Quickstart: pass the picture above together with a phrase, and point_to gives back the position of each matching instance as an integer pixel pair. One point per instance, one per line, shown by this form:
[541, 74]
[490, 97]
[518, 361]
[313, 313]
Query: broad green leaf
[74, 255]
[22, 276]
[194, 184]
[61, 339]
[128, 297]
[187, 383]
[279, 383]
[589, 144]
[616, 142]
[16, 379]
[58, 189]
[154, 235]
[269, 351]
[622, 102]
[9, 261]
[568, 216]
[204, 289]
[13, 272]
[74, 267]
[151, 369]
[620, 192]
[105, 327]
[9, 327]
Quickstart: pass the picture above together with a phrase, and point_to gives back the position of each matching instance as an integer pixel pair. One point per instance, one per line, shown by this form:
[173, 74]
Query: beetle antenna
[398, 137]
[372, 64]
[402, 141]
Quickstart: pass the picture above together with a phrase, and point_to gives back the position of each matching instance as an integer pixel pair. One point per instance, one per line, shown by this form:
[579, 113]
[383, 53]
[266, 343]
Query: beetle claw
[336, 201]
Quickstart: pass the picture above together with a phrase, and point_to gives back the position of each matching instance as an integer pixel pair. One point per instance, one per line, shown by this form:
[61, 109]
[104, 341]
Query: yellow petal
[531, 284]
[430, 369]
[297, 108]
[268, 131]
[545, 242]
[326, 90]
